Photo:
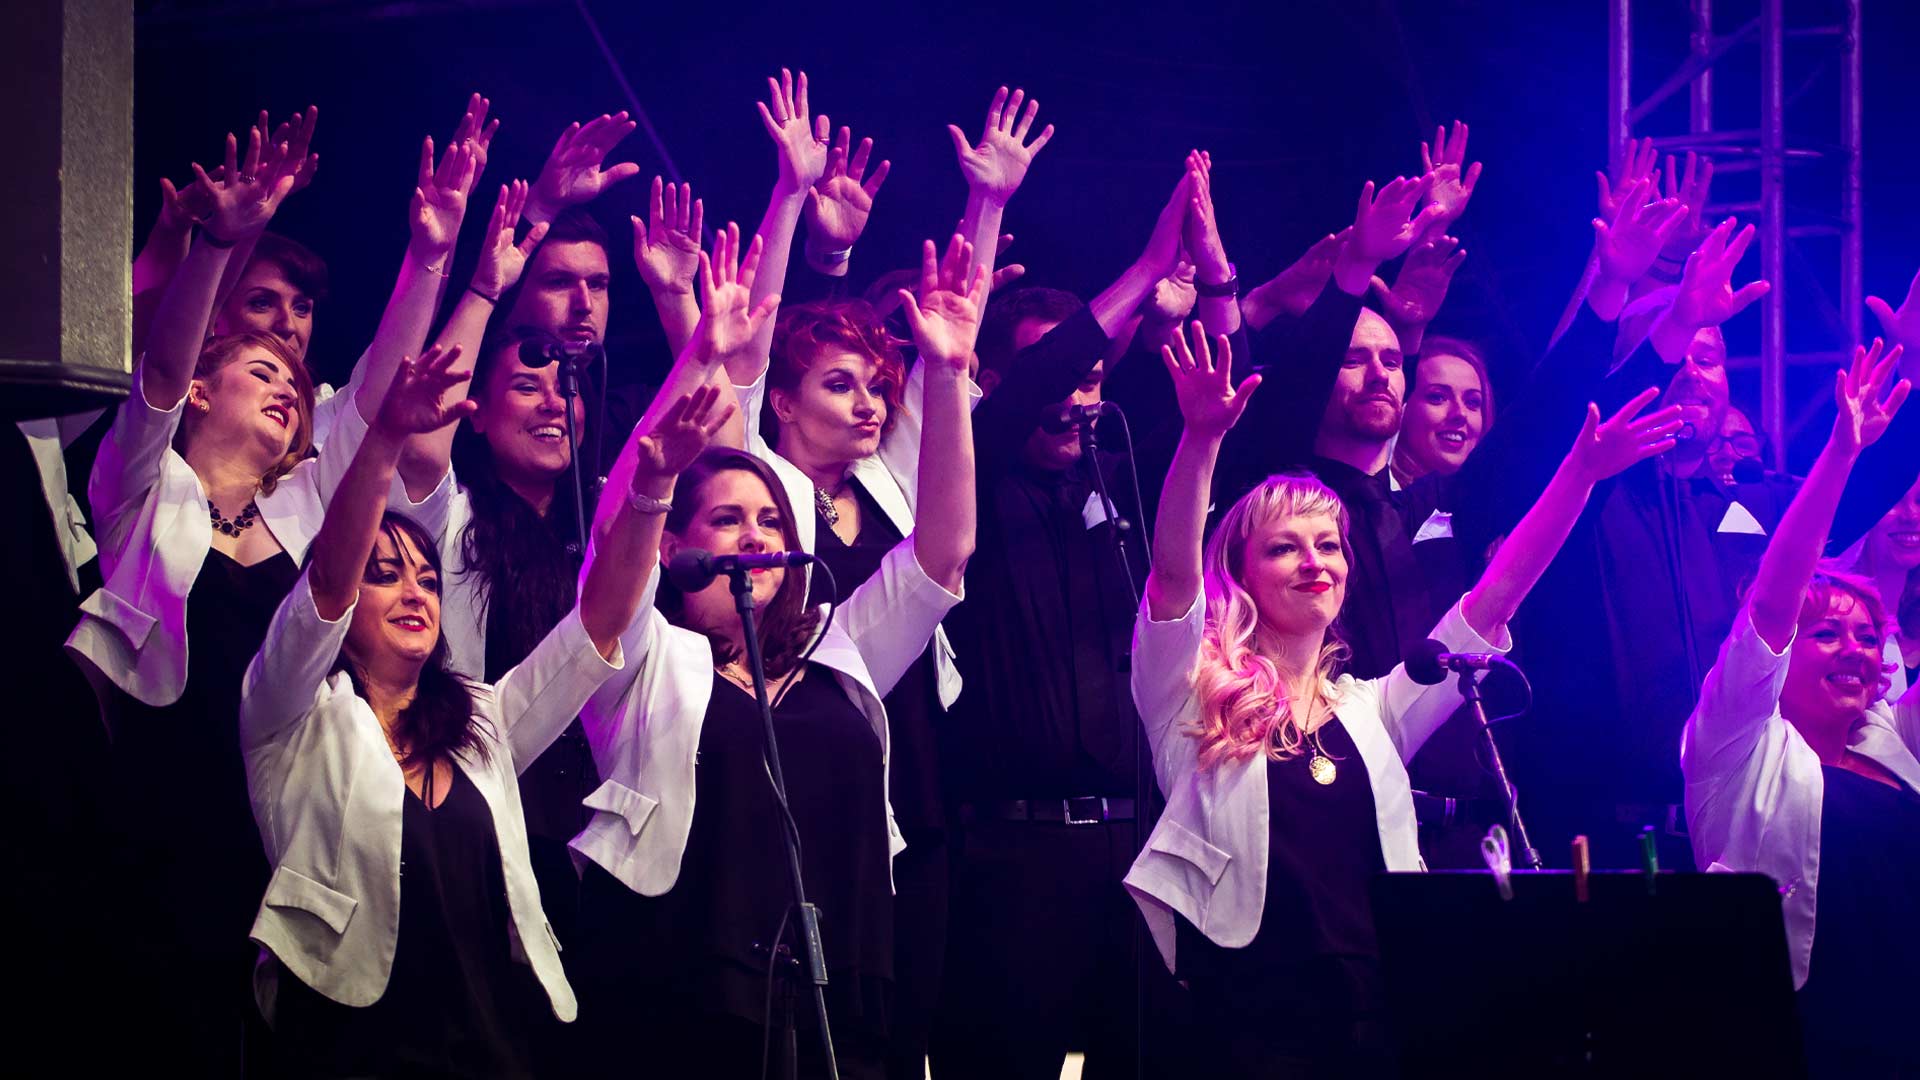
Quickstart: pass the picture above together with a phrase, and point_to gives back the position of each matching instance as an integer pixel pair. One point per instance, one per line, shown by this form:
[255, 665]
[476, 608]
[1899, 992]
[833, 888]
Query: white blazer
[1754, 786]
[330, 799]
[644, 726]
[1207, 858]
[151, 521]
[891, 476]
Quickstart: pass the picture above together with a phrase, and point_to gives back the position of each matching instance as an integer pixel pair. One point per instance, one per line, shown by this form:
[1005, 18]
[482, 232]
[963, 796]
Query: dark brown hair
[787, 625]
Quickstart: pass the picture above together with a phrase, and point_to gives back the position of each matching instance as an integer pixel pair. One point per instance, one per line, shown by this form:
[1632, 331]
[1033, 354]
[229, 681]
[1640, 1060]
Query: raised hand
[1624, 439]
[687, 429]
[997, 164]
[1707, 296]
[1693, 188]
[1638, 232]
[439, 202]
[666, 247]
[1162, 252]
[1209, 402]
[1901, 326]
[475, 128]
[501, 260]
[247, 194]
[573, 173]
[294, 139]
[1173, 296]
[181, 209]
[1636, 164]
[945, 317]
[728, 318]
[1201, 233]
[1453, 179]
[799, 137]
[1293, 290]
[1004, 275]
[416, 399]
[1421, 286]
[1384, 224]
[839, 204]
[1857, 389]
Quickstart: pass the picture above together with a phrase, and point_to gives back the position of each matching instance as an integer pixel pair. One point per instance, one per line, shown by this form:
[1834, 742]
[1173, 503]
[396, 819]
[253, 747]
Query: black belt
[1450, 812]
[1085, 810]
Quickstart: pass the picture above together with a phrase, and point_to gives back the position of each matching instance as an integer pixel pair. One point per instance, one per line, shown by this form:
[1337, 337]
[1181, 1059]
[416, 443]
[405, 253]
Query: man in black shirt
[1040, 747]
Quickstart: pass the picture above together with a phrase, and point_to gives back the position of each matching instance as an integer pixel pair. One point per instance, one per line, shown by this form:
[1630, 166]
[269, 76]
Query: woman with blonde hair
[1285, 779]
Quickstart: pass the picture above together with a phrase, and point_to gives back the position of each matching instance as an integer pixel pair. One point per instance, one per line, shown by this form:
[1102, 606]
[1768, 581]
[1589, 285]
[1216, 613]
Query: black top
[913, 705]
[457, 1004]
[1323, 848]
[709, 933]
[553, 786]
[1042, 637]
[1863, 985]
[177, 770]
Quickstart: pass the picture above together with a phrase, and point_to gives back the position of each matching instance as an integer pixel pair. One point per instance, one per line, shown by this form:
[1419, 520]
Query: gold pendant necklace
[1321, 768]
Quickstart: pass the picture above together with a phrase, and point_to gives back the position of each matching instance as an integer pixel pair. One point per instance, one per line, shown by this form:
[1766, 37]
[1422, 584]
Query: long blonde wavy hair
[1245, 705]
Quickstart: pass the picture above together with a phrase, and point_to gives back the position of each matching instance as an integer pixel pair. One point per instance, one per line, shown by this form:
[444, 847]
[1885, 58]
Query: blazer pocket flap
[1175, 839]
[617, 798]
[114, 610]
[292, 889]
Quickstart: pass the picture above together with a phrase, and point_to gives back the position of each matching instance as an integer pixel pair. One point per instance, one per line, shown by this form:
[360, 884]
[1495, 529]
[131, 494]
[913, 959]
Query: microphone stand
[1470, 693]
[570, 389]
[741, 583]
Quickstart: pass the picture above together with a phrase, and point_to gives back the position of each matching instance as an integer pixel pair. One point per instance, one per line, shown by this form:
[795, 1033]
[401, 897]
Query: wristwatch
[1229, 287]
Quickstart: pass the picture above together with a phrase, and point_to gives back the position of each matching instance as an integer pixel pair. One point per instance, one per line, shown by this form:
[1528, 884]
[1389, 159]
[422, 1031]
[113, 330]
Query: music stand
[1674, 974]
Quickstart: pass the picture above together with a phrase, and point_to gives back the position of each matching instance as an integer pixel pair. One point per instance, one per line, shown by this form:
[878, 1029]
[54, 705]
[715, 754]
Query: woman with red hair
[1285, 779]
[1794, 768]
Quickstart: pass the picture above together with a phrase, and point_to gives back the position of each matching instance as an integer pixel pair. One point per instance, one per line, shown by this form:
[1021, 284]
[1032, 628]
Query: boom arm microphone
[1429, 662]
[1065, 418]
[691, 569]
[577, 355]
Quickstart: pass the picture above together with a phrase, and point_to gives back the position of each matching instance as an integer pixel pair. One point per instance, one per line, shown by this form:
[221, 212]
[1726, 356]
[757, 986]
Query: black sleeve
[1300, 360]
[1882, 475]
[1042, 375]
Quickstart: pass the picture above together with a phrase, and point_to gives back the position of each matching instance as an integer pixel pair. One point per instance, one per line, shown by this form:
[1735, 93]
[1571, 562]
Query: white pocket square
[1739, 520]
[1438, 526]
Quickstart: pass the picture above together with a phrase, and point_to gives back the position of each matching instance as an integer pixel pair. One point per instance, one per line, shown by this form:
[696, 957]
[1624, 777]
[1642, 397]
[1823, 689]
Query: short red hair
[807, 332]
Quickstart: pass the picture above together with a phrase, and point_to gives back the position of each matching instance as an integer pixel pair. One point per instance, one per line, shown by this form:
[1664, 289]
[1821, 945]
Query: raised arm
[1419, 289]
[501, 263]
[1209, 406]
[626, 534]
[800, 140]
[1454, 179]
[1293, 290]
[439, 204]
[666, 248]
[945, 319]
[1216, 305]
[995, 167]
[729, 325]
[573, 173]
[840, 203]
[1601, 450]
[240, 205]
[1706, 296]
[1866, 407]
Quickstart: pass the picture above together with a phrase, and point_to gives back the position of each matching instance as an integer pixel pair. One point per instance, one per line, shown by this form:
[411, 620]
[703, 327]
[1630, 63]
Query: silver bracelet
[647, 504]
[834, 258]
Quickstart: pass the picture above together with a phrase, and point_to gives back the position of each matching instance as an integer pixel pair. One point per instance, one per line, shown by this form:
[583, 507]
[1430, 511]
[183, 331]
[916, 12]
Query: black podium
[1673, 975]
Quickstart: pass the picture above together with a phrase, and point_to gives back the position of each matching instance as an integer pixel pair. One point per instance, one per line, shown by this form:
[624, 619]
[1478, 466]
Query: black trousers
[921, 881]
[1043, 958]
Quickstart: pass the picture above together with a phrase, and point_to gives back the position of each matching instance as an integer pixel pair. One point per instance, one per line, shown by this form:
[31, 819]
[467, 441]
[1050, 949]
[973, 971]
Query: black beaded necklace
[237, 524]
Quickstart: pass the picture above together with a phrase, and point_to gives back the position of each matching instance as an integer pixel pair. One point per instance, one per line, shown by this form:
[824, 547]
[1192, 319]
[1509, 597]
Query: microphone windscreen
[1423, 663]
[1748, 471]
[534, 354]
[690, 570]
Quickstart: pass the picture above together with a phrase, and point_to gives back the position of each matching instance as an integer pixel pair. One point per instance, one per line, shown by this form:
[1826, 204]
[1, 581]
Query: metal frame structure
[1771, 150]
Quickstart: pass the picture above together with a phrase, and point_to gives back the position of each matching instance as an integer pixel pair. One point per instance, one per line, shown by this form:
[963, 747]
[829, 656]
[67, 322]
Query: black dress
[920, 874]
[189, 865]
[679, 981]
[1863, 982]
[457, 1004]
[1304, 998]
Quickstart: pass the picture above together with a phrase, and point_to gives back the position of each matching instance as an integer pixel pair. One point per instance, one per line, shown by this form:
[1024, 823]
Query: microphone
[692, 569]
[576, 355]
[1429, 662]
[1064, 418]
[1686, 434]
